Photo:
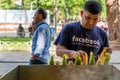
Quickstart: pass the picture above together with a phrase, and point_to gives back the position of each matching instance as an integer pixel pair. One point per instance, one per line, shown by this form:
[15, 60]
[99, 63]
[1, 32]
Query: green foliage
[103, 3]
[73, 6]
[15, 39]
[6, 4]
[15, 46]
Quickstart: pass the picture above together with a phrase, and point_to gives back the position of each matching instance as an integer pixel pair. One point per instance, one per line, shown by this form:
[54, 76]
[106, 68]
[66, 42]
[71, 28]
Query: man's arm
[60, 50]
[40, 43]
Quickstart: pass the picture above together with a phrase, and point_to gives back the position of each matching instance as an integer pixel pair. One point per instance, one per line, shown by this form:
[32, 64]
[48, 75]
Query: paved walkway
[9, 60]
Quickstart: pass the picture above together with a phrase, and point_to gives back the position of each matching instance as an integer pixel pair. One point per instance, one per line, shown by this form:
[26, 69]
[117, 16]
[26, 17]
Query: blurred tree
[6, 4]
[73, 6]
[65, 8]
[103, 3]
[113, 18]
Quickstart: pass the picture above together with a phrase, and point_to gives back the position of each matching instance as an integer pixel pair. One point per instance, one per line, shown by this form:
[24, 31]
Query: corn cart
[63, 72]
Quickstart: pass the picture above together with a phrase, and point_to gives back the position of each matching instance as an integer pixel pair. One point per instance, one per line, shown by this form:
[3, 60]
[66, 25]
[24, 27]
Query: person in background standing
[20, 30]
[41, 39]
[103, 24]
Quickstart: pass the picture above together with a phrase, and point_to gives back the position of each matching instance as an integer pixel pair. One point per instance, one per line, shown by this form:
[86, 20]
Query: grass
[15, 39]
[14, 44]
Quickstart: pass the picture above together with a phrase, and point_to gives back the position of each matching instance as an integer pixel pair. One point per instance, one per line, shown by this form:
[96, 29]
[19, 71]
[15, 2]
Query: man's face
[37, 17]
[89, 20]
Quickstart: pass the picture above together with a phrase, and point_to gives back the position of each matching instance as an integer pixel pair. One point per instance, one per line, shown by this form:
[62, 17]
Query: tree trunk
[113, 18]
[118, 20]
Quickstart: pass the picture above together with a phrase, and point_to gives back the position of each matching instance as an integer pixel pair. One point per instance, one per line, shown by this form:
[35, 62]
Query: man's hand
[84, 56]
[33, 57]
[74, 53]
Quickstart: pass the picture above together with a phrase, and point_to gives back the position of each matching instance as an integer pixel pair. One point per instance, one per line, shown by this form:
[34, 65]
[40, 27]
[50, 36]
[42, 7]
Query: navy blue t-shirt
[75, 37]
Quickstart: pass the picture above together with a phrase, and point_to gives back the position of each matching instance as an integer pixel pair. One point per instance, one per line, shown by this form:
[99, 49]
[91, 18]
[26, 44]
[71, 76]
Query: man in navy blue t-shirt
[83, 37]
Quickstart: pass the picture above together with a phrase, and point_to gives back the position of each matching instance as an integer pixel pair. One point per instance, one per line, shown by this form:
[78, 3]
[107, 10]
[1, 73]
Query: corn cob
[70, 63]
[92, 59]
[51, 62]
[102, 56]
[78, 60]
[107, 58]
[64, 61]
[85, 59]
[57, 63]
[99, 62]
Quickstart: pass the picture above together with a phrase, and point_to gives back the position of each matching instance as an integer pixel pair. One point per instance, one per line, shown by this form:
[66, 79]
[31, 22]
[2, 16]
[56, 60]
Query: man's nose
[91, 21]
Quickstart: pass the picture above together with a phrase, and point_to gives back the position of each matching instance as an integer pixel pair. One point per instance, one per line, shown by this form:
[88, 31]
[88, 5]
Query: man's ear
[81, 12]
[40, 16]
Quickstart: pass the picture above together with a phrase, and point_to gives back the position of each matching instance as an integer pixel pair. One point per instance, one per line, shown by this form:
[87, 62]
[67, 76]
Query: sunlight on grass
[19, 44]
[15, 46]
[15, 39]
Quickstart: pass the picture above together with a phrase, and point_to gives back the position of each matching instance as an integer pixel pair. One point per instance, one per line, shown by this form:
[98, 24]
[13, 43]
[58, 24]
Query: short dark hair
[43, 12]
[93, 7]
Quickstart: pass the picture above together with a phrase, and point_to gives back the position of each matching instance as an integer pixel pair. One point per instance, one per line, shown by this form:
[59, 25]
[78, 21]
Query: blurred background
[60, 12]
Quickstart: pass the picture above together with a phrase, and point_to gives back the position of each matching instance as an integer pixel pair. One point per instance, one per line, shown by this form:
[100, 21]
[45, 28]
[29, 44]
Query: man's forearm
[60, 51]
